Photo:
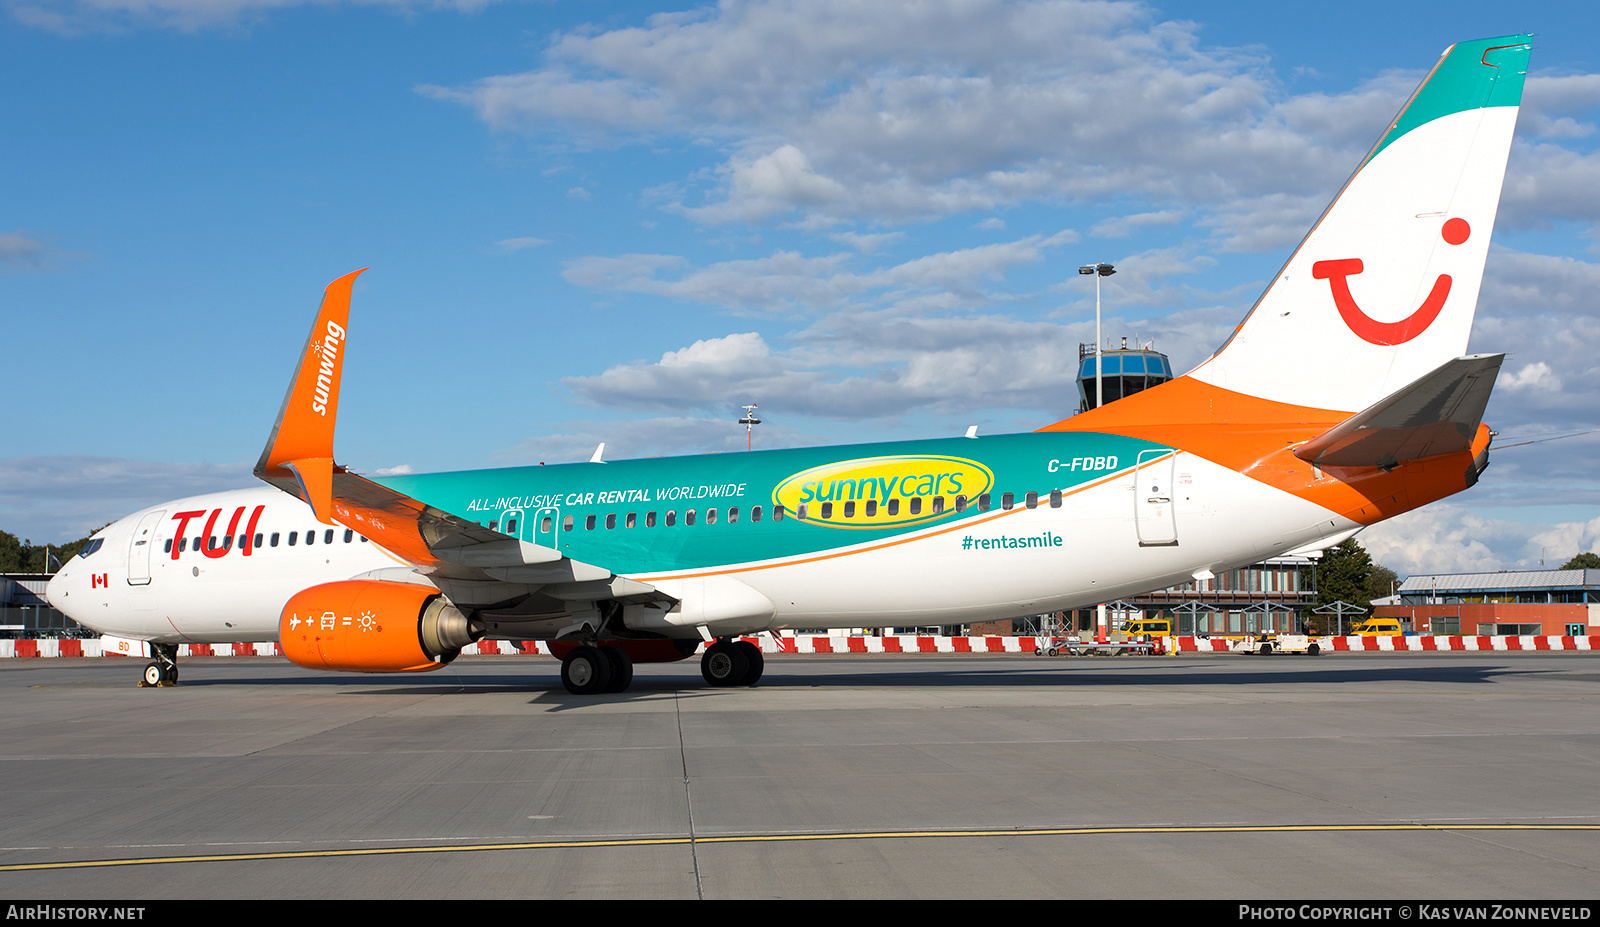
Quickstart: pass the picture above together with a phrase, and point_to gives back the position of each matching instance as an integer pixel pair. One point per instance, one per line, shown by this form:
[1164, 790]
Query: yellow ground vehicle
[1378, 627]
[1152, 627]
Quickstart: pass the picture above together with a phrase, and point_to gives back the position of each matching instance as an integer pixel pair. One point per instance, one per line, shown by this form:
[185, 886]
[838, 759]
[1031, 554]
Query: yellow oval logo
[880, 492]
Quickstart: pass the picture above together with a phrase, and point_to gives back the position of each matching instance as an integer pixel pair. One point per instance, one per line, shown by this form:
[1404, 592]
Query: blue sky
[619, 222]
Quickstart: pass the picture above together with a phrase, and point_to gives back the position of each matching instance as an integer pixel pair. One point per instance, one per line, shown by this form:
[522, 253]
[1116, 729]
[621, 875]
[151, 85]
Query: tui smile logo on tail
[1338, 273]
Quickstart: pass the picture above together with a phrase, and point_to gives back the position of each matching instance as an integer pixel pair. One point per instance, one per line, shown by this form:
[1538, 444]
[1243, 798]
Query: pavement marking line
[785, 838]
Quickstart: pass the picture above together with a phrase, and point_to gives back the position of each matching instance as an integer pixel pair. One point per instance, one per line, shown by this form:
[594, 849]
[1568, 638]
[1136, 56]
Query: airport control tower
[1124, 371]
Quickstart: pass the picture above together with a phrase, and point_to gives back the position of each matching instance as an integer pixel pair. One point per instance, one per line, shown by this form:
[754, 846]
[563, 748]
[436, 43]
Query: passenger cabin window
[259, 538]
[688, 517]
[961, 503]
[311, 537]
[827, 510]
[633, 520]
[494, 525]
[850, 509]
[292, 536]
[1031, 500]
[649, 519]
[800, 512]
[916, 506]
[872, 507]
[894, 507]
[274, 539]
[1008, 501]
[755, 513]
[983, 502]
[349, 535]
[588, 523]
[711, 516]
[938, 504]
[1055, 498]
[733, 516]
[566, 523]
[777, 513]
[545, 523]
[327, 536]
[611, 521]
[511, 526]
[672, 519]
[165, 550]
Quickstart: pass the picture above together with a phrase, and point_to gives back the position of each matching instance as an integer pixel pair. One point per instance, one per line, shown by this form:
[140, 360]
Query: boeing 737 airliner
[1342, 399]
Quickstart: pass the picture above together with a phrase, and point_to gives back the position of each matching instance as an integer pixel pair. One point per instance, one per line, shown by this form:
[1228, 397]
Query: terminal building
[1545, 602]
[25, 614]
[1264, 596]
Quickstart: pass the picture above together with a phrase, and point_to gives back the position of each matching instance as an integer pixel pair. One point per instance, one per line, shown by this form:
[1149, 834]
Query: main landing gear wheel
[724, 664]
[152, 676]
[621, 668]
[586, 671]
[754, 661]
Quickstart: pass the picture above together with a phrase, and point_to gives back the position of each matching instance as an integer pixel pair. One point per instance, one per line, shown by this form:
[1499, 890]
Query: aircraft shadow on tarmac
[787, 675]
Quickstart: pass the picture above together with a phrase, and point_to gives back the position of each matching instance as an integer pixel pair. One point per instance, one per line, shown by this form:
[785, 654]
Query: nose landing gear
[163, 670]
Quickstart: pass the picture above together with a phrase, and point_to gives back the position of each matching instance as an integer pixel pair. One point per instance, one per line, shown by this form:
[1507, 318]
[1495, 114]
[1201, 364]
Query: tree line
[1347, 573]
[22, 556]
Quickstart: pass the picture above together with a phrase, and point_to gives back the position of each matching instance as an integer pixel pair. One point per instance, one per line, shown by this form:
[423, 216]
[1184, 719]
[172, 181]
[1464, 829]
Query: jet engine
[372, 626]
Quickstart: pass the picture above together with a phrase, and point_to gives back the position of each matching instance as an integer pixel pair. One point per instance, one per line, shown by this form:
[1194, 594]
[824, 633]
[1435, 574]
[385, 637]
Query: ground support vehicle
[1072, 646]
[1267, 644]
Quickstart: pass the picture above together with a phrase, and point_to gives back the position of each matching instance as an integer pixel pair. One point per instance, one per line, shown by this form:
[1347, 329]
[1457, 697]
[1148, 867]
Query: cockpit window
[89, 548]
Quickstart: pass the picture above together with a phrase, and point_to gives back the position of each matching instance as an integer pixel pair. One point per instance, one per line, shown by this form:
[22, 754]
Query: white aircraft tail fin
[1383, 289]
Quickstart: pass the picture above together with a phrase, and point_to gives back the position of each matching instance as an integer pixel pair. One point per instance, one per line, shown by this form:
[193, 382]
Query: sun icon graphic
[366, 621]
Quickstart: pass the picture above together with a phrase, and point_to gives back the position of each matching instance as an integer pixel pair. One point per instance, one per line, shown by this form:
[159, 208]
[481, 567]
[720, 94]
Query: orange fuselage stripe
[1257, 437]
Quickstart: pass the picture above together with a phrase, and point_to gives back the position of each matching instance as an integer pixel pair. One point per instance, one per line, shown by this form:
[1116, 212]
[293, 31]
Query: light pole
[1099, 270]
[749, 422]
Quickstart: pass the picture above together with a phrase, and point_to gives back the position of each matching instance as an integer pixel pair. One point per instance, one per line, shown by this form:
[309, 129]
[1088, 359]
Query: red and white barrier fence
[811, 644]
[1417, 642]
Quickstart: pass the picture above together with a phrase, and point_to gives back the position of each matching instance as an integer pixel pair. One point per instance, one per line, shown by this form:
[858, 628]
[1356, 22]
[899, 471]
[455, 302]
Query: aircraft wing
[475, 566]
[1437, 414]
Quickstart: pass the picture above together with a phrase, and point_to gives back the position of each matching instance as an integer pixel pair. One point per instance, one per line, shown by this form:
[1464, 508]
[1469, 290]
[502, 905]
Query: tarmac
[853, 776]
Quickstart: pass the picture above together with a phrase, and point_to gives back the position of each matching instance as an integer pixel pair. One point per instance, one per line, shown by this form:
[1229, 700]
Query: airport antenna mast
[749, 422]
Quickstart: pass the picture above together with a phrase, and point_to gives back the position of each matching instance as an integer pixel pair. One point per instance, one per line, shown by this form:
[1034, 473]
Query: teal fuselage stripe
[1033, 462]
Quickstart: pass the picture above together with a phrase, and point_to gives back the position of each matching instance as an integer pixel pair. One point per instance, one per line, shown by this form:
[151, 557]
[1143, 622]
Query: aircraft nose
[55, 591]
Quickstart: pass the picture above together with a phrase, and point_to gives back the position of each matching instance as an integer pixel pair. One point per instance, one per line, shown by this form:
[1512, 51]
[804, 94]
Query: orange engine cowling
[372, 626]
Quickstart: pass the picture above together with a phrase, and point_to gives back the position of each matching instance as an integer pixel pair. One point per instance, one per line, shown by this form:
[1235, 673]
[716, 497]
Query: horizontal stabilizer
[1438, 414]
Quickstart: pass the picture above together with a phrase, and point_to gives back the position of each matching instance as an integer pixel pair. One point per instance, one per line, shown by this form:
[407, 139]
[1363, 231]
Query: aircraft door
[1153, 494]
[139, 546]
[546, 522]
[513, 523]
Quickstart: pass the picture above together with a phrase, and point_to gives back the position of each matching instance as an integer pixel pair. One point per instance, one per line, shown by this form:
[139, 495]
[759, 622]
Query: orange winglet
[301, 445]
